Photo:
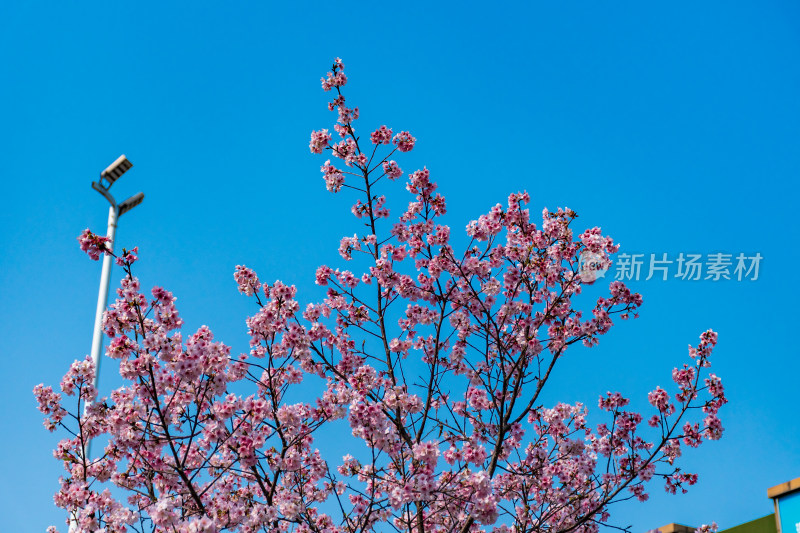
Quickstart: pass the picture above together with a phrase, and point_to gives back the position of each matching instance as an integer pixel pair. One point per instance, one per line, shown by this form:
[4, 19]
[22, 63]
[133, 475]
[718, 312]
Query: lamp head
[114, 171]
[130, 203]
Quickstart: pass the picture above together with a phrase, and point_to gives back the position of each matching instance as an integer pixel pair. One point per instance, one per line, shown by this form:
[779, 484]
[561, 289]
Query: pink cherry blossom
[426, 361]
[382, 135]
[319, 141]
[391, 170]
[404, 141]
[92, 244]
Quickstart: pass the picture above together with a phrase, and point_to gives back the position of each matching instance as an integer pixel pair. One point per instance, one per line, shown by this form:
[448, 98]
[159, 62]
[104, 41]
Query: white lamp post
[107, 179]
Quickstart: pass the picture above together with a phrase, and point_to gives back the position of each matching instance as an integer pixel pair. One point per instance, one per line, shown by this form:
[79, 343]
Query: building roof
[784, 488]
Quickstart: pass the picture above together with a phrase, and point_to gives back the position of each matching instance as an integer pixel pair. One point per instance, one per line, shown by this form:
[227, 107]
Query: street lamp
[107, 179]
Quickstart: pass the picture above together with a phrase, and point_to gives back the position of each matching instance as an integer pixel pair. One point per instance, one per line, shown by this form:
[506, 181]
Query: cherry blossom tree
[436, 359]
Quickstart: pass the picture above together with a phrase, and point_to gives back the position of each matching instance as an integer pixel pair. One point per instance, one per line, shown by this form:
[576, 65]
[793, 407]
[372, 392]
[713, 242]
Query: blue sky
[674, 126]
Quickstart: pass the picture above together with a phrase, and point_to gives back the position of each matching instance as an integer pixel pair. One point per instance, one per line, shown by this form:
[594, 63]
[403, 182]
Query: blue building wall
[789, 512]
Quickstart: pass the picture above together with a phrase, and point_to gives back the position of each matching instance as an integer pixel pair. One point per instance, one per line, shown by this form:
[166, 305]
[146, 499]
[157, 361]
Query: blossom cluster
[94, 245]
